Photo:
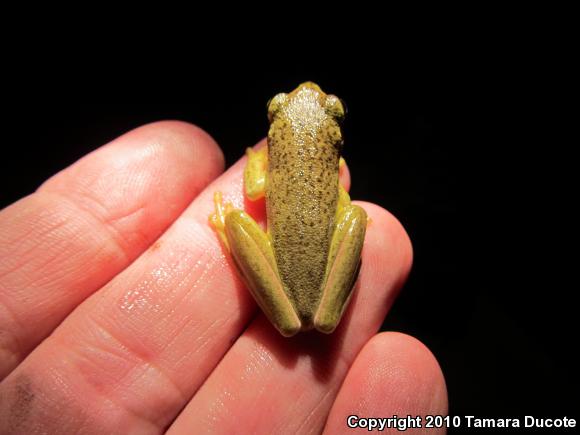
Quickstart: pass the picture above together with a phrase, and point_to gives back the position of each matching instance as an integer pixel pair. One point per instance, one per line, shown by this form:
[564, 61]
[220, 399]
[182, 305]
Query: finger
[88, 222]
[130, 357]
[344, 176]
[288, 385]
[393, 375]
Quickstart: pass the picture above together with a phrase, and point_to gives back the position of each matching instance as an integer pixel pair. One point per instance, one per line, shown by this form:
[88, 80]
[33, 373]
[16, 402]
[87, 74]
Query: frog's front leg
[343, 263]
[255, 173]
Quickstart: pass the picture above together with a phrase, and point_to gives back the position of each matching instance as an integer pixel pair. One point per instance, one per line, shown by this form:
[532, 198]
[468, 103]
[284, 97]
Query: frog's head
[308, 96]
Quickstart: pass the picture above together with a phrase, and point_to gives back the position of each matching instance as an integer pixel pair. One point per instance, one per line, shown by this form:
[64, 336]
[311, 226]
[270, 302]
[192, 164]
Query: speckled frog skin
[302, 270]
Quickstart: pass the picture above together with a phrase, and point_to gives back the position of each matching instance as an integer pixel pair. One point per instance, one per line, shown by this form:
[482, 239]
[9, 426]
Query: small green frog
[302, 270]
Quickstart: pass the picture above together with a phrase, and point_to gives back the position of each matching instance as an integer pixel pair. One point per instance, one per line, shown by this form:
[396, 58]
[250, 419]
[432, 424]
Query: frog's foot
[253, 254]
[343, 266]
[218, 218]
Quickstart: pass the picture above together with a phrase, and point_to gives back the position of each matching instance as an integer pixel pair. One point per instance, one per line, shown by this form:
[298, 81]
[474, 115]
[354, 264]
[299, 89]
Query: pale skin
[120, 311]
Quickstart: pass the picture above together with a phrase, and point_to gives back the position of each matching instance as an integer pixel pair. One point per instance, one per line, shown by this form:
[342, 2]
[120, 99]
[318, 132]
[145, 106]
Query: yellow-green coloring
[301, 271]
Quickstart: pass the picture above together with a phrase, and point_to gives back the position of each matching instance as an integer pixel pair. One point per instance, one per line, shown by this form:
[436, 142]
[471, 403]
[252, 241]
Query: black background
[465, 150]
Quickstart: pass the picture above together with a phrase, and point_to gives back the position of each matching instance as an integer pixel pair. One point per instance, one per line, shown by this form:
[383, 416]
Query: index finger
[88, 222]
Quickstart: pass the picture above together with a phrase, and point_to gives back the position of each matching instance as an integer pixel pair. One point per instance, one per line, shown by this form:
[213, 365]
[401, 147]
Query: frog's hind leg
[343, 264]
[251, 249]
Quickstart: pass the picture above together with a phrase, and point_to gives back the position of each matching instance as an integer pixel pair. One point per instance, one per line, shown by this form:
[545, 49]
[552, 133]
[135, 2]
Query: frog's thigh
[253, 254]
[255, 173]
[342, 268]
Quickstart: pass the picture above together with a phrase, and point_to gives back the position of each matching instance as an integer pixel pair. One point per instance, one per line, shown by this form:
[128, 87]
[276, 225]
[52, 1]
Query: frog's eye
[335, 107]
[274, 105]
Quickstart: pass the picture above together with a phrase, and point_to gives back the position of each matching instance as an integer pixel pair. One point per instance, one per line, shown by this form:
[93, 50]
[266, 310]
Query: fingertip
[206, 143]
[344, 176]
[409, 370]
[161, 148]
[261, 144]
[178, 139]
[393, 375]
[386, 230]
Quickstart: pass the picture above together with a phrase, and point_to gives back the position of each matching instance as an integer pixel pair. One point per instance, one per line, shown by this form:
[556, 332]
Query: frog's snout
[310, 85]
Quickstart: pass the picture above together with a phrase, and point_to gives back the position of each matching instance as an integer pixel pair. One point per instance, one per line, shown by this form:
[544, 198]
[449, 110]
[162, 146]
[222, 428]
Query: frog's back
[302, 195]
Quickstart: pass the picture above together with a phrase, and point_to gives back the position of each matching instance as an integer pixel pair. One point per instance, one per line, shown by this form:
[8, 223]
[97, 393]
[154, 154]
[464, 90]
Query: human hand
[121, 313]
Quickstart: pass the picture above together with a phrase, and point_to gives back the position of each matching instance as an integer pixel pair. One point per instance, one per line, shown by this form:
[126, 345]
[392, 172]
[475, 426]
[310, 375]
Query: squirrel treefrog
[302, 270]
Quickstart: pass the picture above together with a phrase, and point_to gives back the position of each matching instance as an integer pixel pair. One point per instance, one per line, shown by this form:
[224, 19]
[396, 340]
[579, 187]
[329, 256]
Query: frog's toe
[289, 329]
[218, 218]
[328, 321]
